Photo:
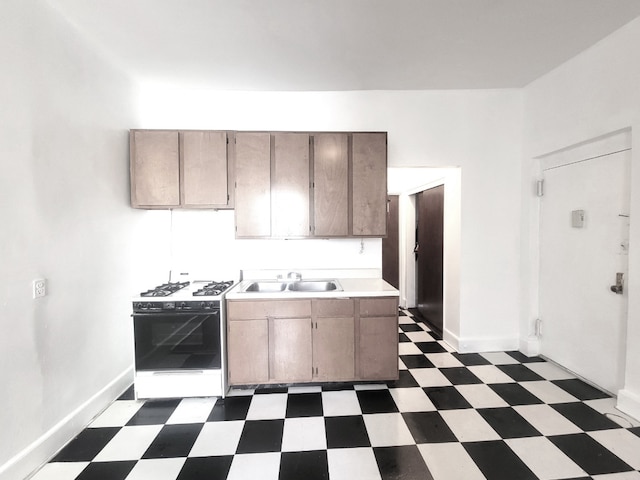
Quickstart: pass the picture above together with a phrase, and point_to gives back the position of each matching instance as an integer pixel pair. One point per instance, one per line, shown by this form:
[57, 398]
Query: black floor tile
[402, 338]
[471, 359]
[405, 380]
[205, 468]
[508, 423]
[304, 465]
[497, 461]
[416, 361]
[520, 373]
[154, 412]
[336, 386]
[515, 394]
[86, 445]
[590, 455]
[580, 390]
[271, 389]
[346, 432]
[174, 441]
[460, 376]
[428, 427]
[376, 401]
[434, 334]
[522, 358]
[585, 417]
[401, 463]
[128, 394]
[230, 408]
[635, 430]
[402, 313]
[446, 398]
[430, 347]
[410, 327]
[260, 436]
[107, 470]
[304, 405]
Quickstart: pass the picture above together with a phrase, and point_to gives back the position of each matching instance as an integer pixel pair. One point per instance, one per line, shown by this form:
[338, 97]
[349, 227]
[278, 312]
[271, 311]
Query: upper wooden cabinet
[369, 185]
[331, 185]
[155, 168]
[173, 169]
[290, 185]
[253, 184]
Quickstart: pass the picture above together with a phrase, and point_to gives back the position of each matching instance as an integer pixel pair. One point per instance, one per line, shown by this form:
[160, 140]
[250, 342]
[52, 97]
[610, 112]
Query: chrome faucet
[295, 276]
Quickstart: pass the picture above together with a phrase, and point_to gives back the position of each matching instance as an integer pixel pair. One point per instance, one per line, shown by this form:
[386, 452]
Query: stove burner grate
[213, 289]
[165, 289]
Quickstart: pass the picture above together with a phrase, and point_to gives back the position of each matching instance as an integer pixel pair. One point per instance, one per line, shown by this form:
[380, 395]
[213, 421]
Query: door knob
[619, 286]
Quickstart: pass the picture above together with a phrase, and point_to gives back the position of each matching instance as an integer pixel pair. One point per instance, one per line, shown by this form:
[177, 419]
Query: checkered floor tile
[449, 416]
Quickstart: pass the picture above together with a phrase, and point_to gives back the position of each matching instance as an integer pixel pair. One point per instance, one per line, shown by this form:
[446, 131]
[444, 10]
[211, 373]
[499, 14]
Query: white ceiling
[345, 44]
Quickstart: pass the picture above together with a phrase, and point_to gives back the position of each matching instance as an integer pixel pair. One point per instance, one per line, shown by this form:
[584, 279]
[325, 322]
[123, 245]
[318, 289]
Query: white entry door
[584, 243]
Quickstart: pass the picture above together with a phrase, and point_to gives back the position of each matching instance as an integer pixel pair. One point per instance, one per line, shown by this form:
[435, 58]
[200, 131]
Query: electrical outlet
[39, 288]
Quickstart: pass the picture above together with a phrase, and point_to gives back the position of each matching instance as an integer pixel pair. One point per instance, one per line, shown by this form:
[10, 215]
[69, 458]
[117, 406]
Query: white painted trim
[629, 403]
[26, 462]
[530, 346]
[451, 338]
[487, 344]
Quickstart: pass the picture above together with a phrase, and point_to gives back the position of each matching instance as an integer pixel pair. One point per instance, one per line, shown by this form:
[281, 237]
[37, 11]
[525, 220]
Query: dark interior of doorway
[391, 244]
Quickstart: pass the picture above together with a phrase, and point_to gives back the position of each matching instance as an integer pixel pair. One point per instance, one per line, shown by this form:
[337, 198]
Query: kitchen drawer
[249, 309]
[378, 307]
[334, 307]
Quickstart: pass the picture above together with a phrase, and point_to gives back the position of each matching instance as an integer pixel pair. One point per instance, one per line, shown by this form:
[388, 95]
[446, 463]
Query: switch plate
[39, 288]
[577, 218]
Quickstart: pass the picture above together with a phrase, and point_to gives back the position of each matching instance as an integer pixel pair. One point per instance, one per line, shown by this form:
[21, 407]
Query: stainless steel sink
[266, 286]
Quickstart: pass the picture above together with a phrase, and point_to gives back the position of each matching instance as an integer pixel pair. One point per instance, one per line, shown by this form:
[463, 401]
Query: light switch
[577, 219]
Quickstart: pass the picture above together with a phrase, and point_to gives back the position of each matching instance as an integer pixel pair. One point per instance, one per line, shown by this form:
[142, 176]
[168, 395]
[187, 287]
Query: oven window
[177, 341]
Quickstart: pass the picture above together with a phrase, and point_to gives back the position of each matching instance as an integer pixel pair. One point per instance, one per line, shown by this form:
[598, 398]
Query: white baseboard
[47, 445]
[451, 339]
[530, 346]
[629, 403]
[487, 344]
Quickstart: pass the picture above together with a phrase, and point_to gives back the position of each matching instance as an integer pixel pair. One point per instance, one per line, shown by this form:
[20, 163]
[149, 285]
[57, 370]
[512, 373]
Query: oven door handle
[175, 314]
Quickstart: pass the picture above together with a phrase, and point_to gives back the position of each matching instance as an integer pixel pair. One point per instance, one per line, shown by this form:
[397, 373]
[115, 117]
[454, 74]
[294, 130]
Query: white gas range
[179, 332]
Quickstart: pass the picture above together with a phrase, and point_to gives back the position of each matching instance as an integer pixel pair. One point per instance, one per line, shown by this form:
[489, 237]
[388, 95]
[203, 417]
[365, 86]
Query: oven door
[177, 341]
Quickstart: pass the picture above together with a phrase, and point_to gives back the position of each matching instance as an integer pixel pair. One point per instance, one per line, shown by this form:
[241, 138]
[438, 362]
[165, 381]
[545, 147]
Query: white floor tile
[481, 396]
[352, 463]
[618, 476]
[549, 371]
[443, 360]
[411, 400]
[419, 336]
[268, 406]
[217, 438]
[305, 389]
[401, 365]
[449, 461]
[499, 358]
[468, 426]
[157, 469]
[549, 392]
[403, 319]
[546, 420]
[192, 410]
[240, 392]
[490, 374]
[446, 346]
[304, 434]
[546, 460]
[607, 406]
[340, 403]
[408, 348]
[387, 430]
[118, 414]
[60, 471]
[429, 377]
[129, 443]
[370, 386]
[265, 466]
[621, 442]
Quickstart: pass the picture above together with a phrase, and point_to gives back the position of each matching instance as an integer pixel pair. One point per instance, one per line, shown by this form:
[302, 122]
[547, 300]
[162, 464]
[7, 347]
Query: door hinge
[540, 188]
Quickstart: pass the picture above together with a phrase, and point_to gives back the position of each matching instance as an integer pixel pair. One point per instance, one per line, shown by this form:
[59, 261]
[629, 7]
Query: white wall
[65, 217]
[479, 131]
[593, 94]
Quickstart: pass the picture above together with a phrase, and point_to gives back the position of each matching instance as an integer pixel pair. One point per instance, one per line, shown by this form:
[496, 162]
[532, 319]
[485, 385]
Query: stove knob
[138, 306]
[183, 305]
[203, 304]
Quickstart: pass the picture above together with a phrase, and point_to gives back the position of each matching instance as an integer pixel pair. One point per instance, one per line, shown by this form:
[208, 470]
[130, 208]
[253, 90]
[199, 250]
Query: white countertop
[351, 287]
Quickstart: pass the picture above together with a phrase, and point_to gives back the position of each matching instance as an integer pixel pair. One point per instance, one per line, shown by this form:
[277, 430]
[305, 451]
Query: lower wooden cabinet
[318, 340]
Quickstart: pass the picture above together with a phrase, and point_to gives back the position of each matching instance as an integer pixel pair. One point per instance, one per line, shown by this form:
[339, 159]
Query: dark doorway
[429, 255]
[391, 244]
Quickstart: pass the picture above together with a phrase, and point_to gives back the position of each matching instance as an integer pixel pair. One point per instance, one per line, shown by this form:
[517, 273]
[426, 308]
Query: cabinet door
[155, 168]
[253, 185]
[290, 185]
[378, 348]
[333, 349]
[290, 347]
[331, 185]
[248, 351]
[204, 169]
[369, 184]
